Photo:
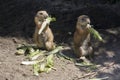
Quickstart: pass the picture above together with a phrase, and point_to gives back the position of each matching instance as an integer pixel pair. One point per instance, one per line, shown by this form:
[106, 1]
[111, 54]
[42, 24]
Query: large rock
[17, 16]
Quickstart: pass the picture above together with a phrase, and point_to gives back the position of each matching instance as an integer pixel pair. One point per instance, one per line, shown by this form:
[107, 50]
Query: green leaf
[29, 62]
[57, 49]
[42, 67]
[50, 60]
[95, 34]
[20, 51]
[31, 50]
[32, 62]
[45, 23]
[33, 53]
[48, 69]
[51, 18]
[37, 55]
[36, 69]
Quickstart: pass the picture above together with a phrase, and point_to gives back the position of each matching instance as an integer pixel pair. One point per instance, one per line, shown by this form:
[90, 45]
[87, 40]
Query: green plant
[95, 34]
[39, 65]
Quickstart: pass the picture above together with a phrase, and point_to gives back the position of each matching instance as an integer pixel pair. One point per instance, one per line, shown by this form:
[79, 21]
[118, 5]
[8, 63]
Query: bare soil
[106, 56]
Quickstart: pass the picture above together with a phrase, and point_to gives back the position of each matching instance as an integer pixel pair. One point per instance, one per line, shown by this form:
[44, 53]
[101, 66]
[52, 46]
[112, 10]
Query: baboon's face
[42, 15]
[84, 21]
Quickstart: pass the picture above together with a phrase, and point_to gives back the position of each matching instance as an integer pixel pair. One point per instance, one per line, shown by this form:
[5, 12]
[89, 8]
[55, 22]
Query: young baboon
[45, 39]
[82, 45]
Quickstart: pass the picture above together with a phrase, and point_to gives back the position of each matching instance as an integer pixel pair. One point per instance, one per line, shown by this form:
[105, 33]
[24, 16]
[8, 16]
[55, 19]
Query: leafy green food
[48, 65]
[45, 23]
[49, 60]
[31, 50]
[51, 18]
[57, 49]
[33, 53]
[44, 65]
[23, 49]
[31, 62]
[37, 55]
[36, 69]
[95, 34]
[20, 51]
[48, 69]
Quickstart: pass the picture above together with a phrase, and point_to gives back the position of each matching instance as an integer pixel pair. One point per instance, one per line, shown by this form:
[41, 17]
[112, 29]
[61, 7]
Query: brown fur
[82, 45]
[45, 39]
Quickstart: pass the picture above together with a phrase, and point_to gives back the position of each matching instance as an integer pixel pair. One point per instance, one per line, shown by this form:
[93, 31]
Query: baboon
[45, 39]
[82, 44]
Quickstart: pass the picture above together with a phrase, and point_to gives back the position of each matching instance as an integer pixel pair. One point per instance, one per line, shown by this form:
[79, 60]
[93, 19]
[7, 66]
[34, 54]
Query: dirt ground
[107, 57]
